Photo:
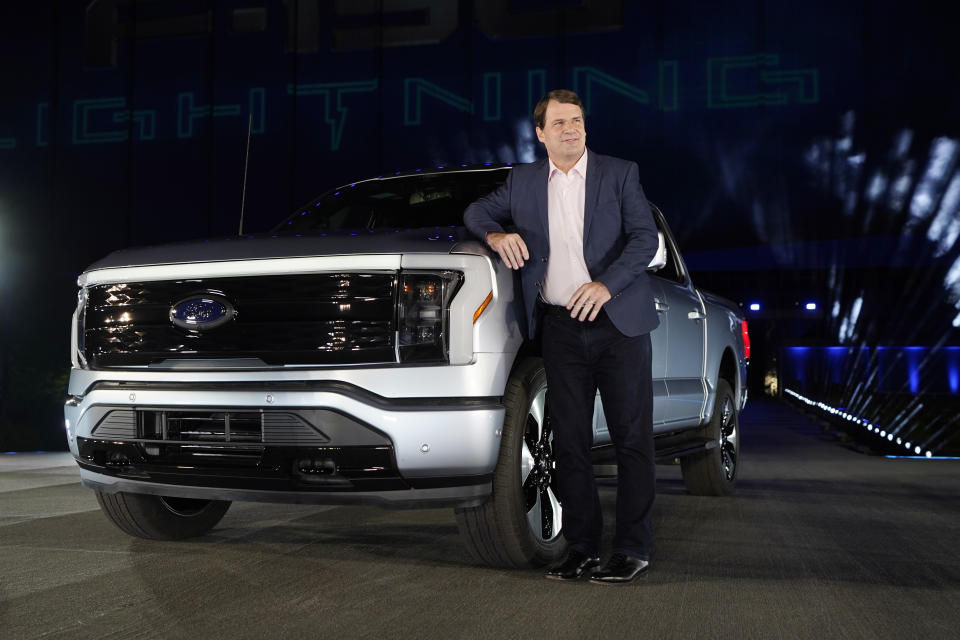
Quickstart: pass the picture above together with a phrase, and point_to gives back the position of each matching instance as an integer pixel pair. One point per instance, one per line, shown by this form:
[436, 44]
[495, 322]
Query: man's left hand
[586, 301]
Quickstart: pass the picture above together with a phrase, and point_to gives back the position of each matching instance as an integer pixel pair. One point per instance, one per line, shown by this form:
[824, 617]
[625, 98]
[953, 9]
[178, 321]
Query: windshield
[431, 200]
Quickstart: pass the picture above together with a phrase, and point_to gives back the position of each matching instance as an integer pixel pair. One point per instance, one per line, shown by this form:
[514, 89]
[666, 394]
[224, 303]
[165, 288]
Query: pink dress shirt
[566, 269]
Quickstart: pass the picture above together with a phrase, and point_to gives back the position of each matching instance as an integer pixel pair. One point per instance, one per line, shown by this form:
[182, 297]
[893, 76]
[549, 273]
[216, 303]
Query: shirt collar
[580, 168]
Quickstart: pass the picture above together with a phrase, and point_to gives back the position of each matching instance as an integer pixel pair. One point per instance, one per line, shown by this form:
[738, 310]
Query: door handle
[696, 315]
[661, 305]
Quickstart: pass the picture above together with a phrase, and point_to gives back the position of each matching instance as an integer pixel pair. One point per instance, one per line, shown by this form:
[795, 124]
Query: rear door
[683, 321]
[684, 377]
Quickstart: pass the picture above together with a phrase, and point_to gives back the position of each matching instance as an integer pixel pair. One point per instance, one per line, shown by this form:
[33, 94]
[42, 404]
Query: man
[583, 237]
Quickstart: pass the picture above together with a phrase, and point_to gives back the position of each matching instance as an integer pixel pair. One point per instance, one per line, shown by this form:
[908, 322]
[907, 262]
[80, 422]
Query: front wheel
[714, 471]
[519, 525]
[161, 517]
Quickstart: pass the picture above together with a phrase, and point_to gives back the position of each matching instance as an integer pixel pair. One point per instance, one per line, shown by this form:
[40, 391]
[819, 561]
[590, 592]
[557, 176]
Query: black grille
[302, 319]
[287, 428]
[211, 425]
[201, 426]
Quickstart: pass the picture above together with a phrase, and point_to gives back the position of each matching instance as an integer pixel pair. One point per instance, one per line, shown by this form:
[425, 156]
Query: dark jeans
[580, 358]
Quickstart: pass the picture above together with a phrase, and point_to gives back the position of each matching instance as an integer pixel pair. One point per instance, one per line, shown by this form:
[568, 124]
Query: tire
[714, 471]
[161, 517]
[519, 525]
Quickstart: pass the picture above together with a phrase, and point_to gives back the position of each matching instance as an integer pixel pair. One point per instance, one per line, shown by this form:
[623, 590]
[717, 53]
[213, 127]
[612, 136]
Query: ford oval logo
[202, 312]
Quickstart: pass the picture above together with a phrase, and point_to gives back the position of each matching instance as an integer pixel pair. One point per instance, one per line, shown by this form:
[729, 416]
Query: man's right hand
[511, 248]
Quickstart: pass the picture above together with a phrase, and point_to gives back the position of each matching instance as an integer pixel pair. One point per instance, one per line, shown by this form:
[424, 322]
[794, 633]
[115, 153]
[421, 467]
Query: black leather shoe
[573, 567]
[620, 569]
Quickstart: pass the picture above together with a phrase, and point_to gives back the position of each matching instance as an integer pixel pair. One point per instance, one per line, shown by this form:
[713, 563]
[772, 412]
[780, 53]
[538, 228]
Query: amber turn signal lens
[483, 305]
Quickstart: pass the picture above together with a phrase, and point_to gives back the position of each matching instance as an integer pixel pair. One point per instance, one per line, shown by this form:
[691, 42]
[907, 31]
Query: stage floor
[820, 541]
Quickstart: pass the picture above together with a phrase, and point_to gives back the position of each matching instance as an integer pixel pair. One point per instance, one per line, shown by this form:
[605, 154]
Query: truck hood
[253, 247]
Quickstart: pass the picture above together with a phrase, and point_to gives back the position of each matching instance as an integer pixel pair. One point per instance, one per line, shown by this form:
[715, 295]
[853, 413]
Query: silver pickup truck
[367, 350]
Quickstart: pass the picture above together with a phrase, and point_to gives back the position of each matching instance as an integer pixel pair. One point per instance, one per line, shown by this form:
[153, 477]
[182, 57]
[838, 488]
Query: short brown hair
[563, 96]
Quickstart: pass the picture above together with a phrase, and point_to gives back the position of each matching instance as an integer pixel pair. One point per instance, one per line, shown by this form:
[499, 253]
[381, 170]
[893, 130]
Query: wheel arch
[528, 349]
[727, 370]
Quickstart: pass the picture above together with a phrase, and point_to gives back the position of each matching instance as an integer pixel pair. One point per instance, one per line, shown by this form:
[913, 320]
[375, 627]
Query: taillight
[746, 339]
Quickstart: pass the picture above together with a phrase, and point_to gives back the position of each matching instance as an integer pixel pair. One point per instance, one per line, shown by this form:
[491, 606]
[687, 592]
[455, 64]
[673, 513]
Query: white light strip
[238, 268]
[872, 428]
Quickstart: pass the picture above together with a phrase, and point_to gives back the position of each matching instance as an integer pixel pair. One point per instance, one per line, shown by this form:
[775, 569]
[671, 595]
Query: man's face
[563, 133]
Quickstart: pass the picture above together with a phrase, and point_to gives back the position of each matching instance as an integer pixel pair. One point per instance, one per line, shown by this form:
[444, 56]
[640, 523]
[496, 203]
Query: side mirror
[660, 259]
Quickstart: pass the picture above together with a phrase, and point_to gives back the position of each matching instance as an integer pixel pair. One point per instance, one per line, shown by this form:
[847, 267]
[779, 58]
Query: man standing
[584, 236]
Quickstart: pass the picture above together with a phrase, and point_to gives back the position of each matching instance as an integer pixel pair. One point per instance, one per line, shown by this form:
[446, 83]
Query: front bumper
[402, 452]
[461, 495]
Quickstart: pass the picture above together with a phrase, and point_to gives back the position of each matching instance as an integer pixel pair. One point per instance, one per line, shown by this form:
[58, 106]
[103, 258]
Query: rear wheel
[161, 517]
[519, 525]
[714, 471]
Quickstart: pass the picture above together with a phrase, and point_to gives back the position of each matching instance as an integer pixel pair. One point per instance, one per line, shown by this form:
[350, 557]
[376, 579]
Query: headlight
[77, 341]
[423, 311]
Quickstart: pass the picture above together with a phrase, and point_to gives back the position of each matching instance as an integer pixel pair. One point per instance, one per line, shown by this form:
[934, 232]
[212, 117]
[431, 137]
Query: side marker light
[483, 305]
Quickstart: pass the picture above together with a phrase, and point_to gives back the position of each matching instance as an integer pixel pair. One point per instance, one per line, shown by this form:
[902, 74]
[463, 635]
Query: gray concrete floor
[820, 541]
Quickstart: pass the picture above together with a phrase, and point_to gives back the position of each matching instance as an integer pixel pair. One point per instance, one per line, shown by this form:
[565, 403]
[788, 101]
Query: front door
[658, 339]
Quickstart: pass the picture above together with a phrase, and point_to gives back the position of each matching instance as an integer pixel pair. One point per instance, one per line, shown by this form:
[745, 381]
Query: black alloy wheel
[520, 523]
[713, 472]
[538, 471]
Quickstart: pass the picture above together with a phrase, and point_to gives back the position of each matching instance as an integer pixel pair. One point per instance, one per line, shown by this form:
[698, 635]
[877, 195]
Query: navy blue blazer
[619, 235]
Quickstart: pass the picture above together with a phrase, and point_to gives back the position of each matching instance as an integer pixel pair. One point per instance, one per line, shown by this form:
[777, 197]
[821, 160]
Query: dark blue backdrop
[799, 150]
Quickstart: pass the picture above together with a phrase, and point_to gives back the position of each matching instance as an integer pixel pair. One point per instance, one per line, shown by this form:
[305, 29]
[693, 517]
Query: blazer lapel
[592, 192]
[540, 188]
